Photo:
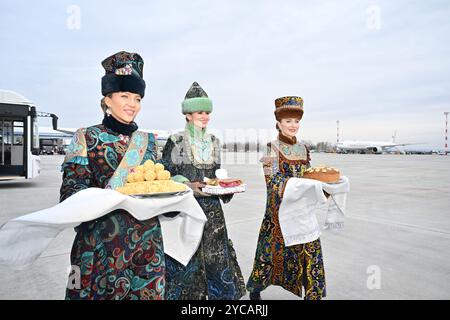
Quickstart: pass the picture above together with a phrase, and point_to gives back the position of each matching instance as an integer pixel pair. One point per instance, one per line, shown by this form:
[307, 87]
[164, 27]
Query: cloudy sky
[376, 66]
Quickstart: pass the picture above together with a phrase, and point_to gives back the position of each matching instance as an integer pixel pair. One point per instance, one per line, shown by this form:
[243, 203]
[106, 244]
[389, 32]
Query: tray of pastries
[151, 180]
[222, 184]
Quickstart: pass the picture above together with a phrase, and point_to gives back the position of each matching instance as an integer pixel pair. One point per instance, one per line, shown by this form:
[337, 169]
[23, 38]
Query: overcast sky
[376, 66]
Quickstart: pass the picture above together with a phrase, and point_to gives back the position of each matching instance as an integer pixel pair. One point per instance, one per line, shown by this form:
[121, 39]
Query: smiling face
[199, 119]
[124, 106]
[289, 126]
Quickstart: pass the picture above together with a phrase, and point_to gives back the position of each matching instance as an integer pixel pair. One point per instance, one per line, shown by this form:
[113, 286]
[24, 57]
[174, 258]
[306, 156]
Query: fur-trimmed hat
[196, 100]
[288, 107]
[124, 72]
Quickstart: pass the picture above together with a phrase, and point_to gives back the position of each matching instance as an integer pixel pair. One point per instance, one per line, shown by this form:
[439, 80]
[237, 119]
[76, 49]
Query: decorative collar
[290, 152]
[287, 140]
[200, 148]
[195, 132]
[121, 128]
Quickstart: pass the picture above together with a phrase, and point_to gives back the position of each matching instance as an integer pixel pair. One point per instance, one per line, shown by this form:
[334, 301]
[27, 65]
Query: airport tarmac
[395, 244]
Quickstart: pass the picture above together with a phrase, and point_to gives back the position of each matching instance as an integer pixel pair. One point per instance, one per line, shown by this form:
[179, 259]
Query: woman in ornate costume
[294, 267]
[213, 272]
[116, 256]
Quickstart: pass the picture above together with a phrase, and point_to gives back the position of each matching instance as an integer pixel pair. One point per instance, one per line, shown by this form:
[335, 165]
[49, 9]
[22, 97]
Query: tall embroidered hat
[288, 107]
[124, 72]
[196, 100]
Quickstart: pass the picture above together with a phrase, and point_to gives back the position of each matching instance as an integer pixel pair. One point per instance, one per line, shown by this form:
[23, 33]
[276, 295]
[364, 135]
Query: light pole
[337, 131]
[446, 131]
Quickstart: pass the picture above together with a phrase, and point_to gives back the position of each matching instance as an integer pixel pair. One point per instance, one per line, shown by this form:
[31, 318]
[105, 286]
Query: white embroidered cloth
[337, 203]
[302, 197]
[23, 239]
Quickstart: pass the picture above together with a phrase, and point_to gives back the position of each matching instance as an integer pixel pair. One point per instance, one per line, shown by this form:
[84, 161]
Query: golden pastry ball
[149, 175]
[163, 184]
[162, 175]
[139, 169]
[149, 165]
[139, 177]
[130, 177]
[159, 167]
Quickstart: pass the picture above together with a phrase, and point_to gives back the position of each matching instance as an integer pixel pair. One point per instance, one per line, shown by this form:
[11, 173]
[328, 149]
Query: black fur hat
[124, 72]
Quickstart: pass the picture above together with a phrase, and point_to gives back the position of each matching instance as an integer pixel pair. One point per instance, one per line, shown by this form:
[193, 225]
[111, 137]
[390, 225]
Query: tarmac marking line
[401, 224]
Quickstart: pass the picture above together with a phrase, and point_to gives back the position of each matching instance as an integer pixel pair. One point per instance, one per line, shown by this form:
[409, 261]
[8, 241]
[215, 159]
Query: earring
[108, 112]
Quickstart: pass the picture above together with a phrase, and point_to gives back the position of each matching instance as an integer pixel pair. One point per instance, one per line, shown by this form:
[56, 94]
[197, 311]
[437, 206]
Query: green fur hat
[196, 100]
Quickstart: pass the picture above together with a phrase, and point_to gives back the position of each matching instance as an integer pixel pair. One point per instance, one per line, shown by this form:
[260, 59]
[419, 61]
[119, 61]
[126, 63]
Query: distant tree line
[261, 147]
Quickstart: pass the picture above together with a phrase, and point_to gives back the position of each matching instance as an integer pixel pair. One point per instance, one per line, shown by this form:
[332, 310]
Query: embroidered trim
[198, 163]
[335, 225]
[77, 150]
[301, 239]
[77, 160]
[132, 158]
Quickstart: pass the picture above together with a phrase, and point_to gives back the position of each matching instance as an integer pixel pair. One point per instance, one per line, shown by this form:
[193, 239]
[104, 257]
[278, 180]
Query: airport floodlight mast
[337, 131]
[446, 133]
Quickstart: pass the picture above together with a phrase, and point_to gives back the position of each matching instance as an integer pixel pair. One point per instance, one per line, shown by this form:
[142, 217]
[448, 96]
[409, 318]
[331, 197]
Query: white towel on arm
[337, 203]
[297, 214]
[22, 240]
[298, 221]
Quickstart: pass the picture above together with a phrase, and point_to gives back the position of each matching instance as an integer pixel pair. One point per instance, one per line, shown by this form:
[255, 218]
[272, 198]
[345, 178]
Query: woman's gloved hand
[171, 214]
[226, 197]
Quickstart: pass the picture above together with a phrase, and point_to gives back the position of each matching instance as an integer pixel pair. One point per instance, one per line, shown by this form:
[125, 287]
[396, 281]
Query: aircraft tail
[394, 135]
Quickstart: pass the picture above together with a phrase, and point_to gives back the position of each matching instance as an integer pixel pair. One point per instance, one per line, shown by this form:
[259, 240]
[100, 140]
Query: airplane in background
[62, 133]
[67, 133]
[370, 146]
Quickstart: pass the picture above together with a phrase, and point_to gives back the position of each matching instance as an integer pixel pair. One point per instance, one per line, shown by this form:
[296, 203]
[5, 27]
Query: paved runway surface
[395, 244]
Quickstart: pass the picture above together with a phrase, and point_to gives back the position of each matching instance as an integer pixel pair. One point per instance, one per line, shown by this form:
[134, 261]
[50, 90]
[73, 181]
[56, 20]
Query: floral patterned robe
[213, 272]
[117, 256]
[290, 267]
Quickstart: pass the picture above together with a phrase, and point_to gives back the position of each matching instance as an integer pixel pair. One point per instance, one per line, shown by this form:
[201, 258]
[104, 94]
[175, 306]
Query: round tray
[158, 194]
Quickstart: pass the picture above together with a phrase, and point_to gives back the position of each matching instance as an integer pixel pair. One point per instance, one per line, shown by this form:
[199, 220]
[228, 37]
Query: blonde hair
[103, 104]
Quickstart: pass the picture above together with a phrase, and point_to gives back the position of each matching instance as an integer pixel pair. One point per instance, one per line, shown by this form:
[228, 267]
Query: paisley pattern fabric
[200, 143]
[213, 272]
[124, 63]
[76, 152]
[116, 256]
[293, 267]
[132, 158]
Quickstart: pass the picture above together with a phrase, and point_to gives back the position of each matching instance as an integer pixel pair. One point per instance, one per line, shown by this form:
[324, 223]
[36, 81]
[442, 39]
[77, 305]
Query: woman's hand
[171, 214]
[196, 187]
[226, 197]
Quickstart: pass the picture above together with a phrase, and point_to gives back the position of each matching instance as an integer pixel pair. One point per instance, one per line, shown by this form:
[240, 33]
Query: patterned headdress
[288, 107]
[196, 100]
[123, 72]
